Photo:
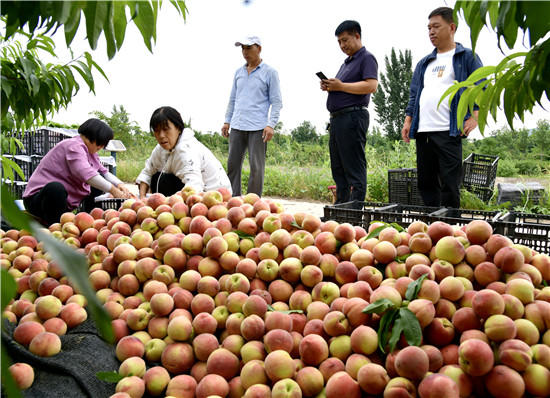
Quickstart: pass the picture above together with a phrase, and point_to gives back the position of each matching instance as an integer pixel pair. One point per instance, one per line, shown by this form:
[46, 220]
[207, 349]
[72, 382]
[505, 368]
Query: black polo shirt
[362, 65]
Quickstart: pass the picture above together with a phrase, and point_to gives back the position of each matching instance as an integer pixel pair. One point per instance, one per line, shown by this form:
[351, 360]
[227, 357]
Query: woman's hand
[125, 191]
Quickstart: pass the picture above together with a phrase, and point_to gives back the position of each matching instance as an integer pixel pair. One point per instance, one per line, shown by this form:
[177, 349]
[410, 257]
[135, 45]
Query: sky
[193, 62]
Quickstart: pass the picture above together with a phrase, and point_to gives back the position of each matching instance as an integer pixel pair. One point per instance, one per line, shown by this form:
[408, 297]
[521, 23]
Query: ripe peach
[502, 381]
[438, 385]
[475, 357]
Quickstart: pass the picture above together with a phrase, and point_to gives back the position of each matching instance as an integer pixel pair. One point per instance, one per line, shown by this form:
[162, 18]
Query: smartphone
[321, 76]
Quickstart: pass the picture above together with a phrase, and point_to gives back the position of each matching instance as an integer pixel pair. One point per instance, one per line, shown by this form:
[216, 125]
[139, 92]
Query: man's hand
[331, 85]
[225, 130]
[406, 129]
[469, 125]
[267, 134]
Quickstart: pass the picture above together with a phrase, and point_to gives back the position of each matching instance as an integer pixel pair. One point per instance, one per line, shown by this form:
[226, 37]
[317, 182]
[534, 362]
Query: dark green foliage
[519, 82]
[305, 132]
[392, 96]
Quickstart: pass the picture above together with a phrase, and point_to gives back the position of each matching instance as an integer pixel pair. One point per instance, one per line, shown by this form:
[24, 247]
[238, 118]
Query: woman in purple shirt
[66, 174]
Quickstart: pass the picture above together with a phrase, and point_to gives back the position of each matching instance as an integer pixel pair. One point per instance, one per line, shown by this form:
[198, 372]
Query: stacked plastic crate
[479, 173]
[34, 147]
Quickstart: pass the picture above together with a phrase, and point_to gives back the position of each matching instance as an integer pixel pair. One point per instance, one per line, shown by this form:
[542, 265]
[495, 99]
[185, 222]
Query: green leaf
[244, 235]
[395, 333]
[119, 22]
[145, 22]
[11, 212]
[96, 14]
[295, 224]
[73, 22]
[110, 31]
[270, 308]
[376, 231]
[109, 377]
[75, 265]
[9, 288]
[414, 287]
[379, 306]
[411, 327]
[386, 323]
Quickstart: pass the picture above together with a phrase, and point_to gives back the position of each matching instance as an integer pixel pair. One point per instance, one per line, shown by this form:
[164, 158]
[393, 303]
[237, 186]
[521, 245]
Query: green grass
[302, 171]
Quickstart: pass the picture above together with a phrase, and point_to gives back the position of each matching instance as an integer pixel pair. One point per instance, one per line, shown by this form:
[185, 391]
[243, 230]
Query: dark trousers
[50, 202]
[348, 135]
[166, 184]
[239, 142]
[439, 165]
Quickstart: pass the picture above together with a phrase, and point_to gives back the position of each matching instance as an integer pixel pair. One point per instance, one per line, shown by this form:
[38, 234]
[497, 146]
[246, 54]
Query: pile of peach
[213, 295]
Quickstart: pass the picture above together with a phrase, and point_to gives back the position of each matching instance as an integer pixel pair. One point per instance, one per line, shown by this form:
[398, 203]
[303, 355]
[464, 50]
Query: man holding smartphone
[348, 98]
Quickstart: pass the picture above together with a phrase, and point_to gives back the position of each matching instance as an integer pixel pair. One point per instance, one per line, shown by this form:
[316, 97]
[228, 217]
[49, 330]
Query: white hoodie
[190, 161]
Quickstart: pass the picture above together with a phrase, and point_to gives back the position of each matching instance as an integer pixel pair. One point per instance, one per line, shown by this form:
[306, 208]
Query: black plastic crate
[53, 137]
[35, 161]
[531, 230]
[485, 194]
[113, 203]
[363, 213]
[479, 171]
[403, 187]
[464, 216]
[38, 145]
[25, 163]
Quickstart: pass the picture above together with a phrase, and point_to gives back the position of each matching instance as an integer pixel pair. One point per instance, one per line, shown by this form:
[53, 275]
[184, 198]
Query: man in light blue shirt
[248, 122]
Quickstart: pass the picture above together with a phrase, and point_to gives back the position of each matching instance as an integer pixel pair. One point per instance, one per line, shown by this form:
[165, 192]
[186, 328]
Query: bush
[506, 168]
[528, 167]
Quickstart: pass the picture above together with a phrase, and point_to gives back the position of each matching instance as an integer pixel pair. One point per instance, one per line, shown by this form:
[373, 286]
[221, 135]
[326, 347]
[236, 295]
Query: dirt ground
[290, 205]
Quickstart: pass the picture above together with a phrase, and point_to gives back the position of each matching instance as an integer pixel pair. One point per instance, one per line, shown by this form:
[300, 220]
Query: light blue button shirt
[251, 96]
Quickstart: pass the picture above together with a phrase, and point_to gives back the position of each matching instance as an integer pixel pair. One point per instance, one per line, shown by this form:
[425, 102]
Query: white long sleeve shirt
[190, 161]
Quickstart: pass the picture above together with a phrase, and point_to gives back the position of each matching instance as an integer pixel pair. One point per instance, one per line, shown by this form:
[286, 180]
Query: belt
[347, 110]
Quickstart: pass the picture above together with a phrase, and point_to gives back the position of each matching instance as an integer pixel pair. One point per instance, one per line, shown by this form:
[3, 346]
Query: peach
[487, 302]
[45, 344]
[279, 365]
[537, 380]
[342, 384]
[212, 385]
[22, 374]
[313, 349]
[223, 362]
[372, 378]
[515, 354]
[499, 328]
[384, 252]
[253, 372]
[412, 362]
[400, 387]
[475, 357]
[310, 380]
[502, 381]
[438, 386]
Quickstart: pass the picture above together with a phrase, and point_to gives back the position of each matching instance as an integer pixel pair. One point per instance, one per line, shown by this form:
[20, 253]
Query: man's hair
[96, 131]
[162, 115]
[352, 27]
[446, 13]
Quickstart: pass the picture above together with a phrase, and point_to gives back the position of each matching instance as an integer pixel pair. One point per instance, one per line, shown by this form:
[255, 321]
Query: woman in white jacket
[179, 159]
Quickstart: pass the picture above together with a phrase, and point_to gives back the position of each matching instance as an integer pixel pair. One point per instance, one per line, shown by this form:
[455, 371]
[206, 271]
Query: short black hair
[162, 115]
[446, 13]
[350, 26]
[96, 131]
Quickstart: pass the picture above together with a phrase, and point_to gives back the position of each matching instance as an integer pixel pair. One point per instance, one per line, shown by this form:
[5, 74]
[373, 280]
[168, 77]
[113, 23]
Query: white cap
[248, 41]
